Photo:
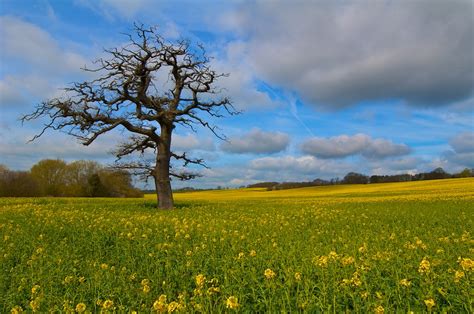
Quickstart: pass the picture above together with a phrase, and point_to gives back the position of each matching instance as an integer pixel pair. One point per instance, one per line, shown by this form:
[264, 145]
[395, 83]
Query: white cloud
[297, 168]
[18, 153]
[110, 9]
[257, 142]
[345, 145]
[192, 142]
[462, 154]
[463, 142]
[127, 8]
[29, 44]
[18, 90]
[339, 53]
[170, 31]
[241, 85]
[395, 166]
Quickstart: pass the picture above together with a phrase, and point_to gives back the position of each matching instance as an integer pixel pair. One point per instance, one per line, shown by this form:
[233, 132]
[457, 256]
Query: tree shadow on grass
[151, 205]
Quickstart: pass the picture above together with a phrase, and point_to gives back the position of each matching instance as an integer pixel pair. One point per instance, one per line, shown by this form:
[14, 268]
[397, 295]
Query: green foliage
[363, 251]
[18, 183]
[50, 174]
[54, 177]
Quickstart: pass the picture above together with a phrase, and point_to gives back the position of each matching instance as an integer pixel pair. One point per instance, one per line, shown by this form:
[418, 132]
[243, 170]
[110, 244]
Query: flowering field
[390, 247]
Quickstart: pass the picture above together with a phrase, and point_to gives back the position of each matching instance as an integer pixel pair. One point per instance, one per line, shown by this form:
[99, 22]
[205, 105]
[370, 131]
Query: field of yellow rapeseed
[375, 248]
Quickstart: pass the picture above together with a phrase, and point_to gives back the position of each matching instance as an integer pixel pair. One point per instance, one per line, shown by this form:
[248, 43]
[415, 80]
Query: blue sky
[325, 87]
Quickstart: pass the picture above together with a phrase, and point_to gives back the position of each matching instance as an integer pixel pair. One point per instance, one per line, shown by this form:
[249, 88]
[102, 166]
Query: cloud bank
[359, 144]
[257, 142]
[339, 53]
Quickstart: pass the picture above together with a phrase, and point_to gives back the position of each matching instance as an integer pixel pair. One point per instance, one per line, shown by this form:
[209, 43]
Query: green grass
[351, 246]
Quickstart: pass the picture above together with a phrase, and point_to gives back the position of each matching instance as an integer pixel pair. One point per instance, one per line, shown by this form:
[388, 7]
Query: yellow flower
[173, 306]
[145, 282]
[232, 303]
[108, 304]
[146, 288]
[269, 274]
[80, 307]
[379, 310]
[104, 266]
[298, 276]
[68, 279]
[162, 298]
[458, 275]
[347, 260]
[303, 305]
[405, 282]
[160, 306]
[424, 267]
[430, 303]
[200, 280]
[34, 304]
[253, 253]
[16, 310]
[241, 255]
[363, 248]
[322, 261]
[333, 255]
[346, 282]
[467, 264]
[213, 290]
[356, 282]
[82, 279]
[35, 289]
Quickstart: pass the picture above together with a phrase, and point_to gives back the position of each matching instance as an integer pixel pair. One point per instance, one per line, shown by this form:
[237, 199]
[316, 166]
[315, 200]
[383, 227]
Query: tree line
[358, 178]
[55, 177]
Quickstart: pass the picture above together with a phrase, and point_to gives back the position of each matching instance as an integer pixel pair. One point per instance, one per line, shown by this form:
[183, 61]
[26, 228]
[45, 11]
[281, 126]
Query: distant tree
[118, 183]
[376, 179]
[355, 178]
[77, 176]
[419, 176]
[465, 173]
[319, 181]
[390, 178]
[3, 169]
[95, 186]
[437, 173]
[50, 176]
[17, 183]
[128, 94]
[262, 185]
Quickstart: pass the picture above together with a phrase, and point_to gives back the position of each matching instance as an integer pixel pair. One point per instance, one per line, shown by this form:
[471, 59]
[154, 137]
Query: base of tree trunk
[164, 194]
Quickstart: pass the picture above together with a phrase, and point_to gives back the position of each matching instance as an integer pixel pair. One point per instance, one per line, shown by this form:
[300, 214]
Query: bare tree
[126, 95]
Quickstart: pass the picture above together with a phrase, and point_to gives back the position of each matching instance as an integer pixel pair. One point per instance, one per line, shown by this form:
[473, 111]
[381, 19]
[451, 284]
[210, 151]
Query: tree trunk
[162, 170]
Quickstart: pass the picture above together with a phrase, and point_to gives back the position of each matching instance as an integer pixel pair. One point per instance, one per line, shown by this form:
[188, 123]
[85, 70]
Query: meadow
[375, 248]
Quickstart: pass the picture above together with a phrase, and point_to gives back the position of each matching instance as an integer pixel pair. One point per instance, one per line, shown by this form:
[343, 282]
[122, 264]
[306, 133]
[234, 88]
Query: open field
[381, 247]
